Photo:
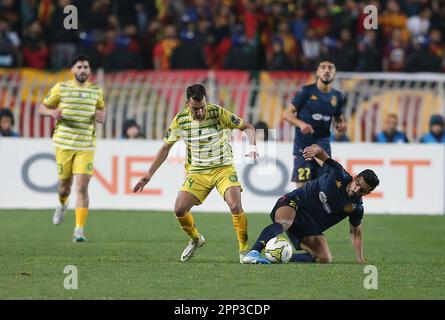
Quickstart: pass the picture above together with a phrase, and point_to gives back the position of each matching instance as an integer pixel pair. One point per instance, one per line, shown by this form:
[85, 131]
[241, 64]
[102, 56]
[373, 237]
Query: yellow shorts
[201, 183]
[71, 162]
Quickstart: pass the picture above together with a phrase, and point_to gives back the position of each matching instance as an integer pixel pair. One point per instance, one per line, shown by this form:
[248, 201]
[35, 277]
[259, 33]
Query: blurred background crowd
[225, 34]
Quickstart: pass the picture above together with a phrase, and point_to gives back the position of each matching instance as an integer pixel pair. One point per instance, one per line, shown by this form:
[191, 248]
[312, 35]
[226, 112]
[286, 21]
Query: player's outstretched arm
[289, 116]
[157, 162]
[249, 129]
[357, 241]
[47, 111]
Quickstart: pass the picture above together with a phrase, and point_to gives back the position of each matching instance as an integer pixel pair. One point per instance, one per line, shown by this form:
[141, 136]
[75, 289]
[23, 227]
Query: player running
[311, 112]
[307, 212]
[206, 130]
[75, 105]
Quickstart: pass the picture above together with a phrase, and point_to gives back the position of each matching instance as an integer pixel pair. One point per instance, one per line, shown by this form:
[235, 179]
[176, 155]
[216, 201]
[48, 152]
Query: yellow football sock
[188, 225]
[240, 224]
[63, 199]
[81, 217]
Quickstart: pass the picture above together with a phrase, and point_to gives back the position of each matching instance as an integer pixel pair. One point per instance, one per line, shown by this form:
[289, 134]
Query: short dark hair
[370, 178]
[324, 60]
[6, 113]
[196, 91]
[80, 57]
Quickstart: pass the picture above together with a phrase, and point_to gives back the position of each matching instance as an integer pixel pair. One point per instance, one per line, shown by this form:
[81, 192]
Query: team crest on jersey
[235, 120]
[334, 101]
[338, 183]
[233, 178]
[313, 97]
[349, 207]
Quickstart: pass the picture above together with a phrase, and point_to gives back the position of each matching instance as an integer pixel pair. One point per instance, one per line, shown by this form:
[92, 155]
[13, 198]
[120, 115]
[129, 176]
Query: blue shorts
[305, 170]
[303, 225]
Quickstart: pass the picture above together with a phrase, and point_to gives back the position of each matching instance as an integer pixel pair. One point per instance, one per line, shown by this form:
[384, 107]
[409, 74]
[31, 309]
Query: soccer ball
[278, 250]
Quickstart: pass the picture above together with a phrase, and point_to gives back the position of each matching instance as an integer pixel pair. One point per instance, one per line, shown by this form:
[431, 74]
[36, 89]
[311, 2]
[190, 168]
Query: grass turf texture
[135, 255]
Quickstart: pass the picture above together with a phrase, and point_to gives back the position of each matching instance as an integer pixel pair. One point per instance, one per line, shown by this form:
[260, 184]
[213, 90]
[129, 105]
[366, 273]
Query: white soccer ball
[278, 250]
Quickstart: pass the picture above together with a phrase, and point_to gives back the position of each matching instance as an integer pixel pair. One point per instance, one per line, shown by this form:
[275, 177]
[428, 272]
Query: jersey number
[304, 174]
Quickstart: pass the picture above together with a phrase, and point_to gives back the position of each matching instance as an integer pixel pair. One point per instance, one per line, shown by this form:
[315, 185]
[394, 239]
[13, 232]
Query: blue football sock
[302, 257]
[268, 233]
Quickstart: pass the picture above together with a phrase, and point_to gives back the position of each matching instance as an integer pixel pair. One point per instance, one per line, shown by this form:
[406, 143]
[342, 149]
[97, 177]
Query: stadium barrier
[154, 97]
[412, 176]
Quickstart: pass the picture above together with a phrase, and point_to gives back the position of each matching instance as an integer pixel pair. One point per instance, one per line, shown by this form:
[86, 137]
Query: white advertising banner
[411, 176]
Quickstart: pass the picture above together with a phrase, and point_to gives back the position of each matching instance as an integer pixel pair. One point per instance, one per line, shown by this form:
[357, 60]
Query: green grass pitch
[135, 255]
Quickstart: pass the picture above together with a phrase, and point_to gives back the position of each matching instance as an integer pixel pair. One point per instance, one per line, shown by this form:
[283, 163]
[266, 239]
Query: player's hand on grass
[361, 260]
[141, 184]
[56, 114]
[306, 128]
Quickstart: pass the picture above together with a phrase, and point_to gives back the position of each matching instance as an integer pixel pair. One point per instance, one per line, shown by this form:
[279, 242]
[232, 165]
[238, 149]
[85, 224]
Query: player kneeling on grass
[206, 129]
[305, 213]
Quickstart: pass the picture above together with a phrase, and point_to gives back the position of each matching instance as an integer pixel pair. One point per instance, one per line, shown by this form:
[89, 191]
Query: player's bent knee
[324, 259]
[180, 210]
[235, 208]
[286, 224]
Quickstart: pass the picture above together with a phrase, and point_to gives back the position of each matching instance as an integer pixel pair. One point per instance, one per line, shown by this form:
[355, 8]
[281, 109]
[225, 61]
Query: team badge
[313, 97]
[349, 207]
[233, 178]
[293, 204]
[334, 101]
[338, 183]
[235, 120]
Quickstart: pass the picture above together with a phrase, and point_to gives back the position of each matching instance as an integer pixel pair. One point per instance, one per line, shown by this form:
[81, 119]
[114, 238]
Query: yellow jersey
[76, 129]
[207, 141]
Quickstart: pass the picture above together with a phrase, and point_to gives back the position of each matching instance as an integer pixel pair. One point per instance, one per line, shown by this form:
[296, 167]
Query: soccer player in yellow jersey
[75, 105]
[206, 130]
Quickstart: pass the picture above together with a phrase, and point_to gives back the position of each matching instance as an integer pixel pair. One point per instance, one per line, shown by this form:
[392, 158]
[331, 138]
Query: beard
[81, 78]
[328, 81]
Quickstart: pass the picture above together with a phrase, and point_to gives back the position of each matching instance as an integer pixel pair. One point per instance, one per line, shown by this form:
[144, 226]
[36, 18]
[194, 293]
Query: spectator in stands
[9, 46]
[390, 134]
[35, 50]
[422, 59]
[343, 53]
[164, 48]
[368, 53]
[131, 130]
[395, 52]
[7, 124]
[437, 132]
[337, 136]
[63, 40]
[419, 24]
[278, 60]
[311, 46]
[189, 54]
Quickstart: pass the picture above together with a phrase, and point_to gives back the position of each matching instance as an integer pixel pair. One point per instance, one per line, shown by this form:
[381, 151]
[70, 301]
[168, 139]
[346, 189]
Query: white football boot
[79, 235]
[189, 251]
[59, 214]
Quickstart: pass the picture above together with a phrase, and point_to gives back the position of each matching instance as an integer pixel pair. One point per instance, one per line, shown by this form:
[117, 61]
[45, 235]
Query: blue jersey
[317, 109]
[430, 138]
[324, 200]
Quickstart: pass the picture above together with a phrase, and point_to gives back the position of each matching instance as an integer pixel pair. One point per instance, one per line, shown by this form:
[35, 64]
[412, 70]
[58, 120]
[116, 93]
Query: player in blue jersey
[311, 112]
[305, 213]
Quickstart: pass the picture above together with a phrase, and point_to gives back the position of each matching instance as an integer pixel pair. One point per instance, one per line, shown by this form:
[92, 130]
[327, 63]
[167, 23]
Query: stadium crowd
[225, 34]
